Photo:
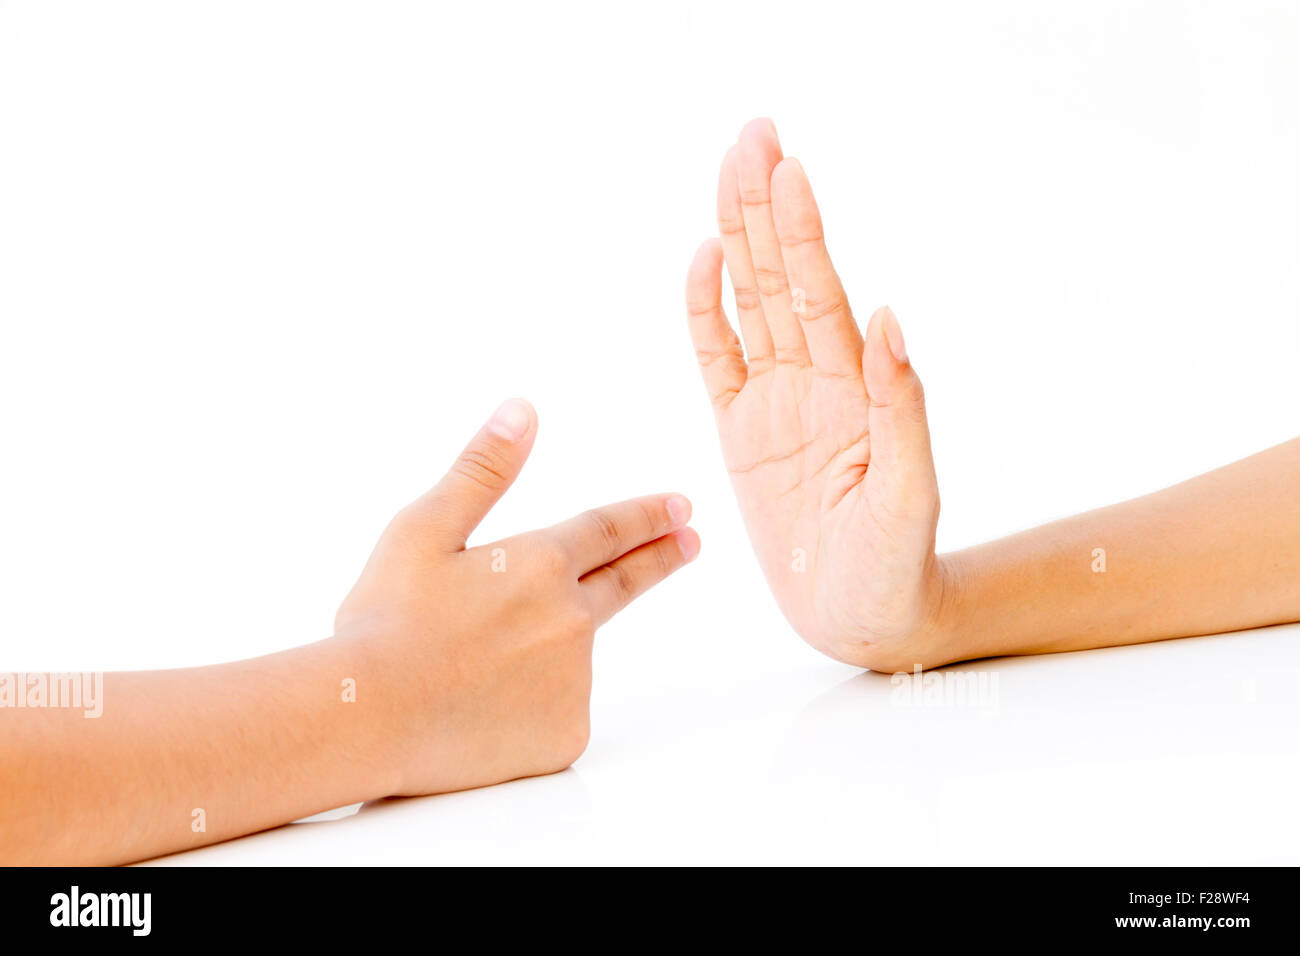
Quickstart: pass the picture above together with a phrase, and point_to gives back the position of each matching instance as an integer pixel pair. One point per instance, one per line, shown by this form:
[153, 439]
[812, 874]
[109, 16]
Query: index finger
[601, 535]
[613, 587]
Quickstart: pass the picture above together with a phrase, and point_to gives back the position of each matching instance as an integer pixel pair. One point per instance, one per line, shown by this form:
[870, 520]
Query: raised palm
[824, 436]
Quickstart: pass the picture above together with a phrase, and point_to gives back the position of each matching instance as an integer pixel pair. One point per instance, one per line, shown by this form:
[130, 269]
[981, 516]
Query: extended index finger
[613, 587]
[601, 535]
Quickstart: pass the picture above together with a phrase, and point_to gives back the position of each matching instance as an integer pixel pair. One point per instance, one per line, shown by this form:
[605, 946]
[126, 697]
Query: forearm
[1220, 552]
[251, 745]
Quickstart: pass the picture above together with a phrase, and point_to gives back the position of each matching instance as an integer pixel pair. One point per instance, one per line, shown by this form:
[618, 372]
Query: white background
[265, 267]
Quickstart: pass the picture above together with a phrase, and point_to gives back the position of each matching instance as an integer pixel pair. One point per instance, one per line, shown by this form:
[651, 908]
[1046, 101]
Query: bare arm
[824, 431]
[182, 758]
[451, 667]
[1220, 552]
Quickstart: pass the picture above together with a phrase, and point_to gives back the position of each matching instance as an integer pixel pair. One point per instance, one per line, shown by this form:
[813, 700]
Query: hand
[824, 435]
[481, 657]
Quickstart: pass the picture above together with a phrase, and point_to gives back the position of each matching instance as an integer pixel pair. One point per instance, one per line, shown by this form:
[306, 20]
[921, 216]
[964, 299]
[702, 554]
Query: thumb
[900, 432]
[488, 466]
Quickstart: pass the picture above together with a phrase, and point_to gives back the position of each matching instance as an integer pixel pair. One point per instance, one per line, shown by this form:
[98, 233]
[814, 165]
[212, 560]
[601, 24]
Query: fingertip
[678, 508]
[876, 326]
[513, 419]
[794, 210]
[876, 357]
[873, 323]
[689, 543]
[759, 149]
[704, 277]
[485, 468]
[727, 171]
[758, 129]
[708, 255]
[893, 333]
[889, 379]
[789, 170]
[900, 437]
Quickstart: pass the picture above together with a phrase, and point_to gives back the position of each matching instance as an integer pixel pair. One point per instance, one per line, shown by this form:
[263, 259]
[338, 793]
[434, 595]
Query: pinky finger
[611, 588]
[721, 358]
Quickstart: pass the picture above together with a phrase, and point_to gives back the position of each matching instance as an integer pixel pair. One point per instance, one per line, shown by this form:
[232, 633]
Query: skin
[472, 666]
[824, 433]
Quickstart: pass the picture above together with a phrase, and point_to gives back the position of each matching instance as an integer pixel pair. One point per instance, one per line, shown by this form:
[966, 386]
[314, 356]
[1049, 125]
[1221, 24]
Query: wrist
[366, 723]
[985, 611]
[946, 635]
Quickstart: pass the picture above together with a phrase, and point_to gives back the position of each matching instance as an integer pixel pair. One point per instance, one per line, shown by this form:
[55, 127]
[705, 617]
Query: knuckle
[702, 310]
[485, 466]
[664, 562]
[771, 282]
[654, 514]
[730, 224]
[747, 298]
[605, 528]
[793, 238]
[723, 397]
[623, 581]
[815, 309]
[912, 398]
[708, 357]
[784, 355]
[906, 397]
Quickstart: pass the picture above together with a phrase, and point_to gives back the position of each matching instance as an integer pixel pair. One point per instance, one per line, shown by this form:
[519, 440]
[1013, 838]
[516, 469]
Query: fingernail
[679, 510]
[689, 542]
[772, 127]
[893, 334]
[510, 421]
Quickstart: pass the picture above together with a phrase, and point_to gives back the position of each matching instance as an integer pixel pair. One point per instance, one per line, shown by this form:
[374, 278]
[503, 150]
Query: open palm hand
[823, 430]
